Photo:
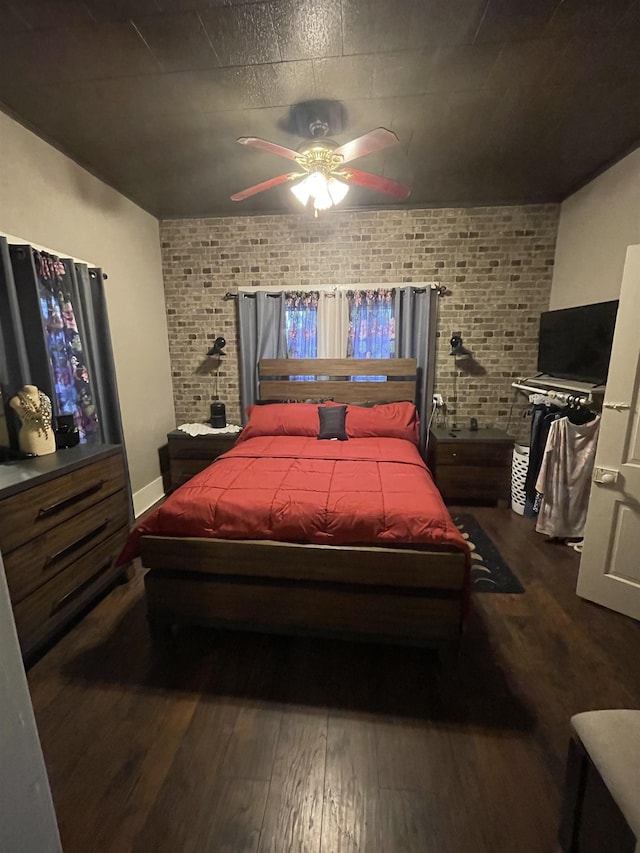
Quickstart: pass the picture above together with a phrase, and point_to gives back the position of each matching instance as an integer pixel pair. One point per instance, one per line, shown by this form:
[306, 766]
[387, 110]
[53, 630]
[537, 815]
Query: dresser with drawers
[63, 520]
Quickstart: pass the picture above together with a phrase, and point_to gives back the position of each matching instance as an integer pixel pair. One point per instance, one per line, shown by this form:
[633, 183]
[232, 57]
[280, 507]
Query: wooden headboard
[276, 382]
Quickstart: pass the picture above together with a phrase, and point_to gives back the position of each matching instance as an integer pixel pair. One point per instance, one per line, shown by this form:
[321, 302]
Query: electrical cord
[433, 411]
[513, 402]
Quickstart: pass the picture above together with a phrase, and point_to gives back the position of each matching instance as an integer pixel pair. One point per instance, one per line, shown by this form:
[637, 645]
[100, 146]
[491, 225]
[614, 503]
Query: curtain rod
[60, 256]
[440, 288]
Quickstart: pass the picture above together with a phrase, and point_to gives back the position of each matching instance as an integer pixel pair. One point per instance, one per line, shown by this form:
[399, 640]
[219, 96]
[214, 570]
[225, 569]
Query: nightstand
[190, 454]
[471, 466]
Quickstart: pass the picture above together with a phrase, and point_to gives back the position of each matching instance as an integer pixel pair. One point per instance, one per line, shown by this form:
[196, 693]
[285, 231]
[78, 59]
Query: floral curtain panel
[372, 332]
[70, 375]
[301, 319]
[301, 312]
[371, 324]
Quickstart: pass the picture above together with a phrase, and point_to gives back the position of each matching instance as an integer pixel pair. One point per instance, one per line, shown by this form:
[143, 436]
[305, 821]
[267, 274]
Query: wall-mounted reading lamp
[217, 349]
[218, 416]
[457, 349]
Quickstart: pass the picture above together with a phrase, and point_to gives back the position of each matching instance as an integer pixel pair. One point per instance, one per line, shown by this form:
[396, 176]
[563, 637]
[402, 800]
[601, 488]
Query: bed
[288, 533]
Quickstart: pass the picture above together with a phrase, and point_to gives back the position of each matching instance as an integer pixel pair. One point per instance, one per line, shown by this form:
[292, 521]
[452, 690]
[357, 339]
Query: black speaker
[218, 418]
[65, 432]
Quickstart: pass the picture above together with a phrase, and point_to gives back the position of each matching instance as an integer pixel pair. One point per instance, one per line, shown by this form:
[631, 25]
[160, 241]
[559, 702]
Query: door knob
[605, 476]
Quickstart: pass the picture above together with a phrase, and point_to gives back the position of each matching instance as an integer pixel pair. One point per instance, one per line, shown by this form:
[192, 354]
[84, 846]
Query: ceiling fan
[325, 177]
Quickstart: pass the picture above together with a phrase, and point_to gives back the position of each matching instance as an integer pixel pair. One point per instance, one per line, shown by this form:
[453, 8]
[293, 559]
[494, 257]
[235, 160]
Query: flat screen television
[575, 343]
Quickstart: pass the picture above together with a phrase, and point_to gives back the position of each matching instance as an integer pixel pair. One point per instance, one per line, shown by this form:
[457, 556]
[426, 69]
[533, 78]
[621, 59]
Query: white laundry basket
[519, 468]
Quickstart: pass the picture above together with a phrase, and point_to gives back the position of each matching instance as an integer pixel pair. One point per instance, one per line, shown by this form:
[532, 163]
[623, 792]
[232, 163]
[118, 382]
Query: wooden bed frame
[395, 594]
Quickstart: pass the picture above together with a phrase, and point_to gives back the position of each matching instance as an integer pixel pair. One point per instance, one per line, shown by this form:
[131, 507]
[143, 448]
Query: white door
[610, 564]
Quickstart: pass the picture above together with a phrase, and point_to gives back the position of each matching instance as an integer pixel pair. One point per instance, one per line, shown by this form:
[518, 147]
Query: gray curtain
[15, 370]
[261, 317]
[15, 361]
[93, 325]
[29, 326]
[415, 311]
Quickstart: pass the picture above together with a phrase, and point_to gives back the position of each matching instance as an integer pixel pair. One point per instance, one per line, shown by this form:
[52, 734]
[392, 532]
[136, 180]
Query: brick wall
[497, 263]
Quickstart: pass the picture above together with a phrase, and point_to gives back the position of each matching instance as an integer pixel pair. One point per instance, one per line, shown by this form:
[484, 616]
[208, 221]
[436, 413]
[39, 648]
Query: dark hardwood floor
[243, 743]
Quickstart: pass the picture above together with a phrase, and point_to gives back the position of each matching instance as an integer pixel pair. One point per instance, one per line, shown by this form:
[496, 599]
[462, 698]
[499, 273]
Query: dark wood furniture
[470, 465]
[63, 520]
[400, 593]
[335, 379]
[190, 454]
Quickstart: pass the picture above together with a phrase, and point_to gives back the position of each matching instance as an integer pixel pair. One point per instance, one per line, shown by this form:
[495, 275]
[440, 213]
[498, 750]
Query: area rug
[489, 572]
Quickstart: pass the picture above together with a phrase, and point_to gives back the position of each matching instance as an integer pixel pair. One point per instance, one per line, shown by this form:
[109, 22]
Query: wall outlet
[438, 399]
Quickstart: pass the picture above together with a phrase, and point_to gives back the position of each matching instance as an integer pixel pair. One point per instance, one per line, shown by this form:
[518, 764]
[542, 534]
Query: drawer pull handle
[68, 598]
[64, 552]
[72, 499]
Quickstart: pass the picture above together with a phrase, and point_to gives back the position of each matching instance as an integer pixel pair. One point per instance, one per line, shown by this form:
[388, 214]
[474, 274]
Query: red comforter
[296, 489]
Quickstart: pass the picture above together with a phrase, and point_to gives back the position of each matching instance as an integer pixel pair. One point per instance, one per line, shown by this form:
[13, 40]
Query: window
[370, 332]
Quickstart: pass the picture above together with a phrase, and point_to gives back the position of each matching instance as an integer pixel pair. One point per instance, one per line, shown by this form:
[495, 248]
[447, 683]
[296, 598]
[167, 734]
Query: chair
[601, 808]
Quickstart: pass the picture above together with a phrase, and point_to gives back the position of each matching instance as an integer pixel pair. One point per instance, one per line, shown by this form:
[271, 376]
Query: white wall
[47, 199]
[27, 817]
[597, 223]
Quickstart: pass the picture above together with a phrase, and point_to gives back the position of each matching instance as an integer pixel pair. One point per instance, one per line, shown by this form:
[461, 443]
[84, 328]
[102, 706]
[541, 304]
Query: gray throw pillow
[332, 420]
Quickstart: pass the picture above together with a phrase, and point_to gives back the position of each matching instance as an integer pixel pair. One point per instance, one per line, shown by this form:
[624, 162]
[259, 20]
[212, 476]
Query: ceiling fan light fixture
[301, 190]
[324, 191]
[327, 181]
[337, 190]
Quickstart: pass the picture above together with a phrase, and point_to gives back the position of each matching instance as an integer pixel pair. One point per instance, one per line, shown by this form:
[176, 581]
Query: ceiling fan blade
[375, 140]
[374, 182]
[265, 145]
[266, 185]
